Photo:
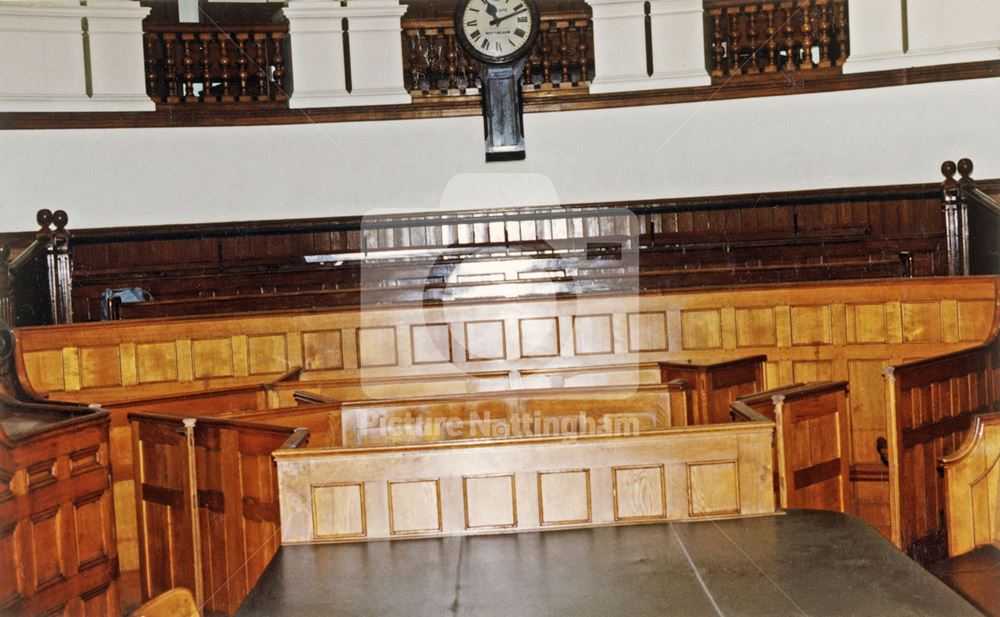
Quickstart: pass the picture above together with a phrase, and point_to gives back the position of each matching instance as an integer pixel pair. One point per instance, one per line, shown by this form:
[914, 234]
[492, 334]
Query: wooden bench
[972, 514]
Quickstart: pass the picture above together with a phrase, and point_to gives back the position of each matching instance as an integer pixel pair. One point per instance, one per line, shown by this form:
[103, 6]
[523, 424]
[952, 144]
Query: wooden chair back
[176, 602]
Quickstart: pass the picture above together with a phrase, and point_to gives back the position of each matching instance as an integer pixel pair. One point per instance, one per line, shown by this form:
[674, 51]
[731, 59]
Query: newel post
[58, 263]
[6, 302]
[965, 185]
[950, 204]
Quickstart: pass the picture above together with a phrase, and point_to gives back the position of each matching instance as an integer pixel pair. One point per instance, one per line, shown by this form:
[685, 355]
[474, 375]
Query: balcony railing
[755, 38]
[201, 63]
[434, 63]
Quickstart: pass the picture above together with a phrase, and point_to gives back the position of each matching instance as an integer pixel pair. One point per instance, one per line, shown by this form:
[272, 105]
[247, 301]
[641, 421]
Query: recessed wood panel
[414, 507]
[377, 347]
[46, 543]
[640, 492]
[755, 327]
[539, 337]
[268, 354]
[647, 331]
[212, 358]
[808, 370]
[564, 497]
[866, 323]
[46, 370]
[490, 501]
[921, 322]
[8, 564]
[338, 511]
[485, 340]
[972, 317]
[701, 329]
[592, 335]
[322, 350]
[713, 488]
[100, 367]
[430, 343]
[156, 362]
[811, 325]
[90, 530]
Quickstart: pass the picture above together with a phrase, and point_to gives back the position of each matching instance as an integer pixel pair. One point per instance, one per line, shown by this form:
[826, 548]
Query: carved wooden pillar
[58, 263]
[965, 185]
[950, 192]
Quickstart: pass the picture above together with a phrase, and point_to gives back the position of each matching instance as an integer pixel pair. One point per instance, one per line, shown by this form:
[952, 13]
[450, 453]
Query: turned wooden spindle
[751, 22]
[546, 58]
[564, 78]
[204, 39]
[6, 302]
[842, 39]
[581, 49]
[790, 64]
[825, 27]
[452, 63]
[718, 49]
[152, 75]
[410, 43]
[278, 60]
[171, 63]
[224, 63]
[243, 74]
[734, 41]
[772, 40]
[807, 38]
[188, 61]
[260, 60]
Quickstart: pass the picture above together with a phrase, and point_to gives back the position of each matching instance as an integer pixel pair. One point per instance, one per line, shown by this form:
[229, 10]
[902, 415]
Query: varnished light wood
[176, 602]
[972, 488]
[511, 485]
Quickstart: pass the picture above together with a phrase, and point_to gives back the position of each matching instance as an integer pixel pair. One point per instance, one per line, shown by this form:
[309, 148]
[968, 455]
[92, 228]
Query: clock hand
[497, 20]
[490, 9]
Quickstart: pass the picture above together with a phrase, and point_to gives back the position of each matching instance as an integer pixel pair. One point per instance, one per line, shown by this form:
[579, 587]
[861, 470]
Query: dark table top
[801, 563]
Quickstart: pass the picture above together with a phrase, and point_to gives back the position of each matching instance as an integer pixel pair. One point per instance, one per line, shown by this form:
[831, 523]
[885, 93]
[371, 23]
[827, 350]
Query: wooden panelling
[922, 322]
[338, 511]
[811, 325]
[430, 343]
[322, 350]
[100, 367]
[755, 327]
[57, 549]
[972, 488]
[640, 492]
[539, 337]
[156, 362]
[267, 354]
[647, 332]
[414, 507]
[969, 315]
[593, 335]
[490, 501]
[534, 483]
[701, 329]
[212, 358]
[931, 404]
[485, 340]
[866, 323]
[207, 506]
[377, 346]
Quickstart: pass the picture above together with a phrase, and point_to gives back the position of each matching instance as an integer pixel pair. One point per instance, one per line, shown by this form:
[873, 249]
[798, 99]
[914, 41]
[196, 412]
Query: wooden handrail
[189, 28]
[297, 439]
[741, 412]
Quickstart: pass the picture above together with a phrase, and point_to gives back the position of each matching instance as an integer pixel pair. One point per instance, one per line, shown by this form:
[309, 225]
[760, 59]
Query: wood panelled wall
[869, 225]
[972, 488]
[332, 495]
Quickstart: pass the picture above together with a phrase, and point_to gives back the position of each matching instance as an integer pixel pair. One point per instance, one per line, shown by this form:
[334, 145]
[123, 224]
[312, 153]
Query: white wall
[114, 177]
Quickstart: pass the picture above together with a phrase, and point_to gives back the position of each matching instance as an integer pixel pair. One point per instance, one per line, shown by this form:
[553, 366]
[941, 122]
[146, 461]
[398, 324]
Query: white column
[315, 28]
[43, 65]
[317, 56]
[876, 31]
[619, 46]
[952, 32]
[894, 34]
[376, 45]
[678, 42]
[117, 67]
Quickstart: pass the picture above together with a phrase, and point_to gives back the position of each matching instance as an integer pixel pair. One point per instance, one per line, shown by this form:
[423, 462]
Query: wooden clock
[499, 34]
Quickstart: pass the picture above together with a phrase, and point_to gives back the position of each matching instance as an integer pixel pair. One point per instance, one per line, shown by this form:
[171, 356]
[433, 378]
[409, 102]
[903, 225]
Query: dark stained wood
[768, 84]
[716, 385]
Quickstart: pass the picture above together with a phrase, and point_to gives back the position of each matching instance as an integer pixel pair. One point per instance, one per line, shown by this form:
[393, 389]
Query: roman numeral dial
[497, 30]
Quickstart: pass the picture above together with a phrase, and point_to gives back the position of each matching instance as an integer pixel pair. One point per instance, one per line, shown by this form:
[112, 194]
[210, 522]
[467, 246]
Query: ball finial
[4, 251]
[965, 167]
[948, 168]
[44, 218]
[60, 218]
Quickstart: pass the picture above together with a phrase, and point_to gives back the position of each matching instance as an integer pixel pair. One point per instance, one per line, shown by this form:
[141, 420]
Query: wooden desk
[804, 562]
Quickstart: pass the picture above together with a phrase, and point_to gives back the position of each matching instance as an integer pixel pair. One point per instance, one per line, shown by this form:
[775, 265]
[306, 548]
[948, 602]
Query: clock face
[497, 30]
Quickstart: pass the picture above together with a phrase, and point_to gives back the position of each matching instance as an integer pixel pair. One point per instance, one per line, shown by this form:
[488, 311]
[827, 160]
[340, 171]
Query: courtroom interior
[499, 307]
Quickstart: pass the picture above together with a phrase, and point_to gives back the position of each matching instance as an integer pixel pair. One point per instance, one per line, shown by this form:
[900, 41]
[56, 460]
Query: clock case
[500, 89]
